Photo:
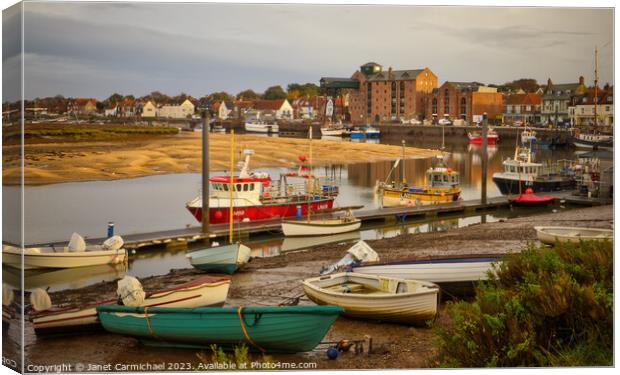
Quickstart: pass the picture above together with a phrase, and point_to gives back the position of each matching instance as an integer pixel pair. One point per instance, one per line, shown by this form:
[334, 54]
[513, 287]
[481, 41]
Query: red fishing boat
[530, 199]
[475, 137]
[257, 197]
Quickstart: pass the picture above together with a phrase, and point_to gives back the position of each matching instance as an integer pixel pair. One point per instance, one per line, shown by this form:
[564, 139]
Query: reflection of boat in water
[73, 278]
[475, 137]
[476, 159]
[300, 243]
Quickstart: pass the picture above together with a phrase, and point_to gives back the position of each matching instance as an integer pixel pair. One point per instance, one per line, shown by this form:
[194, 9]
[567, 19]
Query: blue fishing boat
[372, 132]
[357, 133]
[223, 259]
[288, 329]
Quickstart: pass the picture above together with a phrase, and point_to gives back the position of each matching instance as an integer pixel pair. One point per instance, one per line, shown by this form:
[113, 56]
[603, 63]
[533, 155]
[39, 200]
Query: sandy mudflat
[48, 163]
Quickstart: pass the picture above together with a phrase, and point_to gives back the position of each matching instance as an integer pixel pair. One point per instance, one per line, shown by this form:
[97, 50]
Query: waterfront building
[279, 109]
[466, 101]
[522, 108]
[581, 110]
[374, 95]
[556, 100]
[149, 110]
[307, 108]
[178, 111]
[223, 109]
[83, 106]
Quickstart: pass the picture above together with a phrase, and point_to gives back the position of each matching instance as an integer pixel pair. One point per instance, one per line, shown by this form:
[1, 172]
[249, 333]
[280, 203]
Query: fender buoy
[218, 214]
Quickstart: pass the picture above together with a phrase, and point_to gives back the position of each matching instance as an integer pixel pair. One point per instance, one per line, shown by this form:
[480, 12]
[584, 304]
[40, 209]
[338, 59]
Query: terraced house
[377, 95]
[522, 109]
[466, 101]
[556, 100]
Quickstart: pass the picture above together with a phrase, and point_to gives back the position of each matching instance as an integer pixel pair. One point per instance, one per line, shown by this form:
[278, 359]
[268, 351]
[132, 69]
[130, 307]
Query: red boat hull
[478, 140]
[265, 212]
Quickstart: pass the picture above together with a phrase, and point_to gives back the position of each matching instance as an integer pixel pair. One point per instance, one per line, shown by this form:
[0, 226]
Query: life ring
[266, 194]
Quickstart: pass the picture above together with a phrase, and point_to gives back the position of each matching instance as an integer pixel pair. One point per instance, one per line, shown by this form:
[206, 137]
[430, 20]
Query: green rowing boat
[286, 329]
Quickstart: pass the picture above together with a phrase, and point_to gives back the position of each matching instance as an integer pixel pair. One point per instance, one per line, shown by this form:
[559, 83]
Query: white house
[181, 111]
[223, 109]
[149, 110]
[280, 109]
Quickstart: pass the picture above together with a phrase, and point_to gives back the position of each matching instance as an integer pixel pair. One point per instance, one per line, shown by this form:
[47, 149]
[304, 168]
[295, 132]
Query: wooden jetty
[180, 237]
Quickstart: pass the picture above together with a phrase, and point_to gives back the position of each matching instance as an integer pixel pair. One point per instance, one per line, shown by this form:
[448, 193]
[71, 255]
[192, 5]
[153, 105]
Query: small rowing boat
[530, 199]
[321, 226]
[224, 259]
[376, 297]
[203, 291]
[288, 329]
[52, 257]
[549, 235]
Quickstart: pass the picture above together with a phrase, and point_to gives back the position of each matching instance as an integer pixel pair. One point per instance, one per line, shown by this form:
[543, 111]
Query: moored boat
[224, 259]
[442, 186]
[476, 137]
[521, 173]
[357, 133]
[321, 226]
[261, 127]
[593, 141]
[52, 257]
[203, 291]
[257, 197]
[528, 136]
[288, 329]
[530, 199]
[550, 234]
[371, 132]
[376, 297]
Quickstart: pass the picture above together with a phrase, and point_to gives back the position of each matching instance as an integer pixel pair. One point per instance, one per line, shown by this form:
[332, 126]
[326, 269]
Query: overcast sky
[94, 50]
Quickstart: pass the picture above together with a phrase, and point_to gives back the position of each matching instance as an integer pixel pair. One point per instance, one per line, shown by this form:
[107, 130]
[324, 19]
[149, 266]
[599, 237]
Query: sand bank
[88, 161]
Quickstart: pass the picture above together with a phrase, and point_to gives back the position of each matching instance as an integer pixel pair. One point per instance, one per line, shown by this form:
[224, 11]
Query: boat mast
[595, 88]
[311, 176]
[404, 180]
[231, 187]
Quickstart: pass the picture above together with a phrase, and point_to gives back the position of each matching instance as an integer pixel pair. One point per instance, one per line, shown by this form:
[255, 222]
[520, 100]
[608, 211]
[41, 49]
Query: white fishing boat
[528, 136]
[549, 235]
[376, 297]
[202, 292]
[53, 257]
[261, 127]
[334, 132]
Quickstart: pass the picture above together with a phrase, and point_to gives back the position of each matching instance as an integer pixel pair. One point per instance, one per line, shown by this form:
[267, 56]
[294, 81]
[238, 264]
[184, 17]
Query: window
[463, 106]
[435, 105]
[446, 102]
[245, 187]
[225, 187]
[238, 187]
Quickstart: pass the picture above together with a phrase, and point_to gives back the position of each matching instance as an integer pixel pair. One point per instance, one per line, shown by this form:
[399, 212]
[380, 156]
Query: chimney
[581, 80]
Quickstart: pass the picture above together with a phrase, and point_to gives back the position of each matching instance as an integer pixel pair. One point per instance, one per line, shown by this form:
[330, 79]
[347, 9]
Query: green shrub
[544, 307]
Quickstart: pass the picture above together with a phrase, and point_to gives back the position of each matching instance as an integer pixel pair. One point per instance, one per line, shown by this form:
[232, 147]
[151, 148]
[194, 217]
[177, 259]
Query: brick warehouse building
[466, 101]
[376, 95]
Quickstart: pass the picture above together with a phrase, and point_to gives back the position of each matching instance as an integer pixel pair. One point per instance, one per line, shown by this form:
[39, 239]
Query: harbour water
[158, 203]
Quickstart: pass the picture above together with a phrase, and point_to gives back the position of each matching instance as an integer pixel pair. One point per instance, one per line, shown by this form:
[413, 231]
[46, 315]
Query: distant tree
[306, 90]
[219, 96]
[248, 95]
[293, 94]
[525, 84]
[274, 92]
[100, 106]
[113, 99]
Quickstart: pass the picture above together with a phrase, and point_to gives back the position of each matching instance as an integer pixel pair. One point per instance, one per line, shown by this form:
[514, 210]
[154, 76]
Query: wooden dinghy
[549, 235]
[223, 259]
[322, 226]
[50, 257]
[203, 291]
[273, 329]
[375, 297]
[455, 276]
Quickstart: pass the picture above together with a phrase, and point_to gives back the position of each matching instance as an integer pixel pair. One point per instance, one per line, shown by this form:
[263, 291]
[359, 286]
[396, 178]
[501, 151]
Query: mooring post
[483, 187]
[205, 174]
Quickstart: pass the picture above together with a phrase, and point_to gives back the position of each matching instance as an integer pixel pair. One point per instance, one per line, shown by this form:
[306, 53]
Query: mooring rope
[245, 332]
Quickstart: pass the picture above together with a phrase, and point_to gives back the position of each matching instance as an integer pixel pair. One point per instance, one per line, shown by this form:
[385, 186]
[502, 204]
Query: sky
[96, 49]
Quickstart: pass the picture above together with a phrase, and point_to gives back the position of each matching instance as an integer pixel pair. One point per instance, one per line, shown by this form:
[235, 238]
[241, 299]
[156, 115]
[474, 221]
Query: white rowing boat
[202, 292]
[375, 297]
[51, 257]
[321, 226]
[549, 235]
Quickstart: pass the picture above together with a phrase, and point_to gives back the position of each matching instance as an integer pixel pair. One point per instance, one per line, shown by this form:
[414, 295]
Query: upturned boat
[221, 259]
[475, 137]
[203, 291]
[376, 297]
[258, 197]
[549, 235]
[455, 275]
[442, 186]
[288, 329]
[53, 257]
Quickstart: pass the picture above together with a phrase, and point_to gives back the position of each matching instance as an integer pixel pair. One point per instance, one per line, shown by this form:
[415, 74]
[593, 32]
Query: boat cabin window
[238, 188]
[445, 178]
[245, 187]
[437, 178]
